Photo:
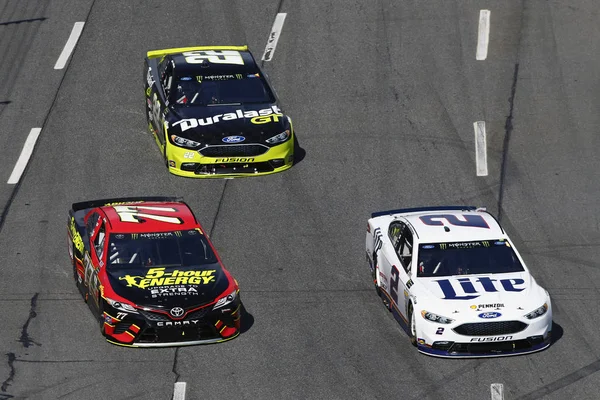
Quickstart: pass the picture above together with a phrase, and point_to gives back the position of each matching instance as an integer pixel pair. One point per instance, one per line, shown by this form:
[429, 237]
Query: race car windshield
[467, 258]
[179, 248]
[206, 90]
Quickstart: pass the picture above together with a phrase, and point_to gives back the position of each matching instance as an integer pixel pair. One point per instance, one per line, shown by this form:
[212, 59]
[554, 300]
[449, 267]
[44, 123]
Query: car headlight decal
[538, 312]
[279, 138]
[429, 316]
[117, 305]
[183, 142]
[223, 301]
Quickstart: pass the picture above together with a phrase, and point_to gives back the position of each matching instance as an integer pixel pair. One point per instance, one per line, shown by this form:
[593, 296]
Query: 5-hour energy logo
[158, 277]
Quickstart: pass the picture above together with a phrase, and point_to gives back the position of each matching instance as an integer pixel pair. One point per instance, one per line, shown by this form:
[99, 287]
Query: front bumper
[192, 164]
[155, 329]
[535, 336]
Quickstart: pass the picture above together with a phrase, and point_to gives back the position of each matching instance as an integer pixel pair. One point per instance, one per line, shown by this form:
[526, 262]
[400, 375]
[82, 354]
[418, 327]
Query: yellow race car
[213, 113]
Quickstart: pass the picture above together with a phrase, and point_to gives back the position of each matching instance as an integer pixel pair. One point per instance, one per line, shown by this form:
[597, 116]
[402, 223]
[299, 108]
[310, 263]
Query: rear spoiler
[121, 200]
[164, 52]
[419, 209]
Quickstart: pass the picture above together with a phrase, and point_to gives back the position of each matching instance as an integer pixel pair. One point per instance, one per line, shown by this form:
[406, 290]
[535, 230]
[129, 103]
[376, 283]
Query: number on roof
[214, 56]
[475, 221]
[139, 213]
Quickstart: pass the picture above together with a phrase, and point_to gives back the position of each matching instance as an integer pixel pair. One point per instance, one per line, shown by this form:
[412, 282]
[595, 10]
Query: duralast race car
[456, 283]
[150, 274]
[213, 113]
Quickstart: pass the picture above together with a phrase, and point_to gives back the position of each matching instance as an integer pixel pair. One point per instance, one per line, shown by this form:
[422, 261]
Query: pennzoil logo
[158, 277]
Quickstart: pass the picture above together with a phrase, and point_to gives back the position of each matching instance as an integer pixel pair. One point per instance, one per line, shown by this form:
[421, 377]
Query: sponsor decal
[178, 323]
[167, 291]
[235, 160]
[149, 78]
[185, 78]
[191, 123]
[409, 283]
[158, 277]
[421, 341]
[492, 305]
[233, 139]
[266, 119]
[77, 240]
[492, 339]
[489, 315]
[467, 290]
[427, 246]
[172, 163]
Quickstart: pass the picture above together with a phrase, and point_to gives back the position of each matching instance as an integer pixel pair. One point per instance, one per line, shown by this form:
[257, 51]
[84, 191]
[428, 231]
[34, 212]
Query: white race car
[456, 283]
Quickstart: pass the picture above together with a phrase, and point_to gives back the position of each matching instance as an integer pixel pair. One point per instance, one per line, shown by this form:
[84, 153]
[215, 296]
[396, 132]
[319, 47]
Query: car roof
[454, 226]
[142, 217]
[182, 67]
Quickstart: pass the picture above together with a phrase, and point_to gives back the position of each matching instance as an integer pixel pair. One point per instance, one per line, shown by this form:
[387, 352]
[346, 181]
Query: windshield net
[178, 248]
[203, 90]
[467, 258]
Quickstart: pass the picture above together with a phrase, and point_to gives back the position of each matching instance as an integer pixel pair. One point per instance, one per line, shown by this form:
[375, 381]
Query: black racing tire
[411, 326]
[74, 264]
[101, 316]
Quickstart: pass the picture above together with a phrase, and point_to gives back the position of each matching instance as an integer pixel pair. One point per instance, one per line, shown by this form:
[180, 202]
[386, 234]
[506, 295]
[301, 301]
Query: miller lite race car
[456, 283]
[150, 274]
[213, 113]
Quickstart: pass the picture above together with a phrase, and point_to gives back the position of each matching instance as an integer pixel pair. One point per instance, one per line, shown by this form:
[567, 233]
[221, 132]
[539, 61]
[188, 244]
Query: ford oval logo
[489, 315]
[233, 139]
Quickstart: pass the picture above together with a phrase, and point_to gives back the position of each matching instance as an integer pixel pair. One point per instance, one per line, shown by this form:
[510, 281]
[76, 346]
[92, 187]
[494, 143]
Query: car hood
[172, 286]
[480, 293]
[256, 122]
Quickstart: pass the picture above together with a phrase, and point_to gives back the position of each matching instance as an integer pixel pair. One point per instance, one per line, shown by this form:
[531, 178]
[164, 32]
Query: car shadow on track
[557, 332]
[299, 152]
[247, 320]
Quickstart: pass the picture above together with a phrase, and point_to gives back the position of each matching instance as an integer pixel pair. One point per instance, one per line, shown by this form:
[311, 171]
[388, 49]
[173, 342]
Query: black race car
[213, 113]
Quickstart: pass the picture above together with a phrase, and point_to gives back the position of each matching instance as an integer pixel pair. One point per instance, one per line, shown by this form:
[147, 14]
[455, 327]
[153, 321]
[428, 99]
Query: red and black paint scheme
[150, 274]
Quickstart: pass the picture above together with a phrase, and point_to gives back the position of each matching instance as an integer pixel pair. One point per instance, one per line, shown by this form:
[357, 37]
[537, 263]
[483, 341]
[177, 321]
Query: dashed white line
[24, 157]
[483, 35]
[480, 148]
[69, 46]
[274, 37]
[497, 390]
[179, 391]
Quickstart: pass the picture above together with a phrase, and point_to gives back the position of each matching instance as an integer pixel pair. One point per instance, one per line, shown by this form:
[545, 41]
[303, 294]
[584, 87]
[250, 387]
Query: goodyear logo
[158, 277]
[77, 241]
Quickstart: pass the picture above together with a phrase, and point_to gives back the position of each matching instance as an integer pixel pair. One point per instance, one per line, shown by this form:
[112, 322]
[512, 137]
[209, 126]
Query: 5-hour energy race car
[150, 274]
[456, 283]
[213, 113]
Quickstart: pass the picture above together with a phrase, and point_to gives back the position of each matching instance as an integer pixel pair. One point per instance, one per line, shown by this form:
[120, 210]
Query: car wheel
[101, 316]
[412, 326]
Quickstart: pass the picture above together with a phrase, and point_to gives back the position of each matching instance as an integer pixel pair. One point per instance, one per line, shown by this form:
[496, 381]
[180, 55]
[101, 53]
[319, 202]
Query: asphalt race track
[383, 94]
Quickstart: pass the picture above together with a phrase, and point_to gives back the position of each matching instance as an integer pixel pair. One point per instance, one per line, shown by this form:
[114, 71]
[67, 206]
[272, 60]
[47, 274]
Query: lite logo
[467, 290]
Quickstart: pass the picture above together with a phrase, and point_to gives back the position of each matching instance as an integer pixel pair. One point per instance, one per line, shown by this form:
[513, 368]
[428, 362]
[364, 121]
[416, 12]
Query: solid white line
[24, 157]
[483, 35]
[179, 391]
[69, 46]
[274, 37]
[497, 390]
[480, 148]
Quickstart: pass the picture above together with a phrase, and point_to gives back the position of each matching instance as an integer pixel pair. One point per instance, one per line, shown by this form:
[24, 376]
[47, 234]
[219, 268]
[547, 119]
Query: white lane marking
[179, 391]
[497, 390]
[483, 35]
[274, 37]
[69, 46]
[480, 148]
[25, 155]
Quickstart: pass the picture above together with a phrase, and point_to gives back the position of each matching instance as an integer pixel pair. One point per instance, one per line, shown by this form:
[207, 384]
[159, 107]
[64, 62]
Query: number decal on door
[394, 280]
